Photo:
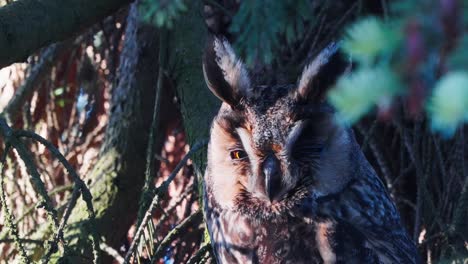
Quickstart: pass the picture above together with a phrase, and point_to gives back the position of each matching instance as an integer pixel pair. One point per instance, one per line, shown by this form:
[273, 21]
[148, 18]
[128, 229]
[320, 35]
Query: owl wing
[365, 208]
[352, 245]
[386, 235]
[392, 246]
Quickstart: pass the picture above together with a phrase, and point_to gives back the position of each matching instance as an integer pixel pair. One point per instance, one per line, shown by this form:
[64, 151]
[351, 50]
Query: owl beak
[272, 172]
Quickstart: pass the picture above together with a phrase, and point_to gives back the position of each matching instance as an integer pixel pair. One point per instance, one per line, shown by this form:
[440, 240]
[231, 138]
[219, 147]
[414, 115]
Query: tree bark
[27, 25]
[118, 176]
[198, 105]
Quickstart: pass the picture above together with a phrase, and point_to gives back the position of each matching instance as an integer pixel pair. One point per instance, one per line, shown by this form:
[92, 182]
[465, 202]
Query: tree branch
[111, 252]
[79, 188]
[40, 71]
[162, 189]
[201, 253]
[23, 23]
[9, 221]
[192, 221]
[8, 135]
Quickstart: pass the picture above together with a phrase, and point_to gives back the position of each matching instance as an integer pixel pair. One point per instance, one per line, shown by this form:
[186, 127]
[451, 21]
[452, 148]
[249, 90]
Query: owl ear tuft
[319, 75]
[225, 75]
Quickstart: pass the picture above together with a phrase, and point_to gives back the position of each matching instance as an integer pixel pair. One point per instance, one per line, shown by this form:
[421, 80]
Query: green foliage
[356, 94]
[260, 25]
[162, 13]
[59, 91]
[448, 105]
[59, 96]
[371, 43]
[383, 50]
[369, 38]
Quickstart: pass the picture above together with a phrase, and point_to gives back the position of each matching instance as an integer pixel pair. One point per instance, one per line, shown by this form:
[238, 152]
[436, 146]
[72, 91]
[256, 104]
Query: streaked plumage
[284, 182]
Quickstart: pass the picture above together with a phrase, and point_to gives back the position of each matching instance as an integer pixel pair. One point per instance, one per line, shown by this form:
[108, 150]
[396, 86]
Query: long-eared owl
[285, 182]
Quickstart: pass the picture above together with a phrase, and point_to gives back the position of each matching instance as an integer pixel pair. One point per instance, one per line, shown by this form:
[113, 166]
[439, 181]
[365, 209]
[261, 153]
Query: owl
[285, 182]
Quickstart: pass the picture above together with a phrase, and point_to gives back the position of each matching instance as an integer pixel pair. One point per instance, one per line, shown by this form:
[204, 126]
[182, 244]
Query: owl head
[273, 147]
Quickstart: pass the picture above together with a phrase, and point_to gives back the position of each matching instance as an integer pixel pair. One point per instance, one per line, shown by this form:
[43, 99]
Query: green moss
[198, 104]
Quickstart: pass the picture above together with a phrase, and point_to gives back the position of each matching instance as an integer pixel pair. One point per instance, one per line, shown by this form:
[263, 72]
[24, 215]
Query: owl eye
[238, 154]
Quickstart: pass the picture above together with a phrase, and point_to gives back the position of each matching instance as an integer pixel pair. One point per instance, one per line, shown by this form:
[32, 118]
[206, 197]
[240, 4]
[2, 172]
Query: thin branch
[193, 220]
[197, 146]
[35, 178]
[198, 257]
[149, 174]
[13, 138]
[418, 169]
[80, 187]
[460, 211]
[368, 135]
[111, 252]
[22, 240]
[460, 214]
[31, 209]
[179, 200]
[39, 71]
[162, 189]
[336, 26]
[8, 216]
[378, 156]
[310, 39]
[53, 246]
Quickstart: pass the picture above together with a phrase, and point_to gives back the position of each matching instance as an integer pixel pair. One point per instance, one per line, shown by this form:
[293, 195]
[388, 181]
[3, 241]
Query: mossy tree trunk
[118, 177]
[198, 105]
